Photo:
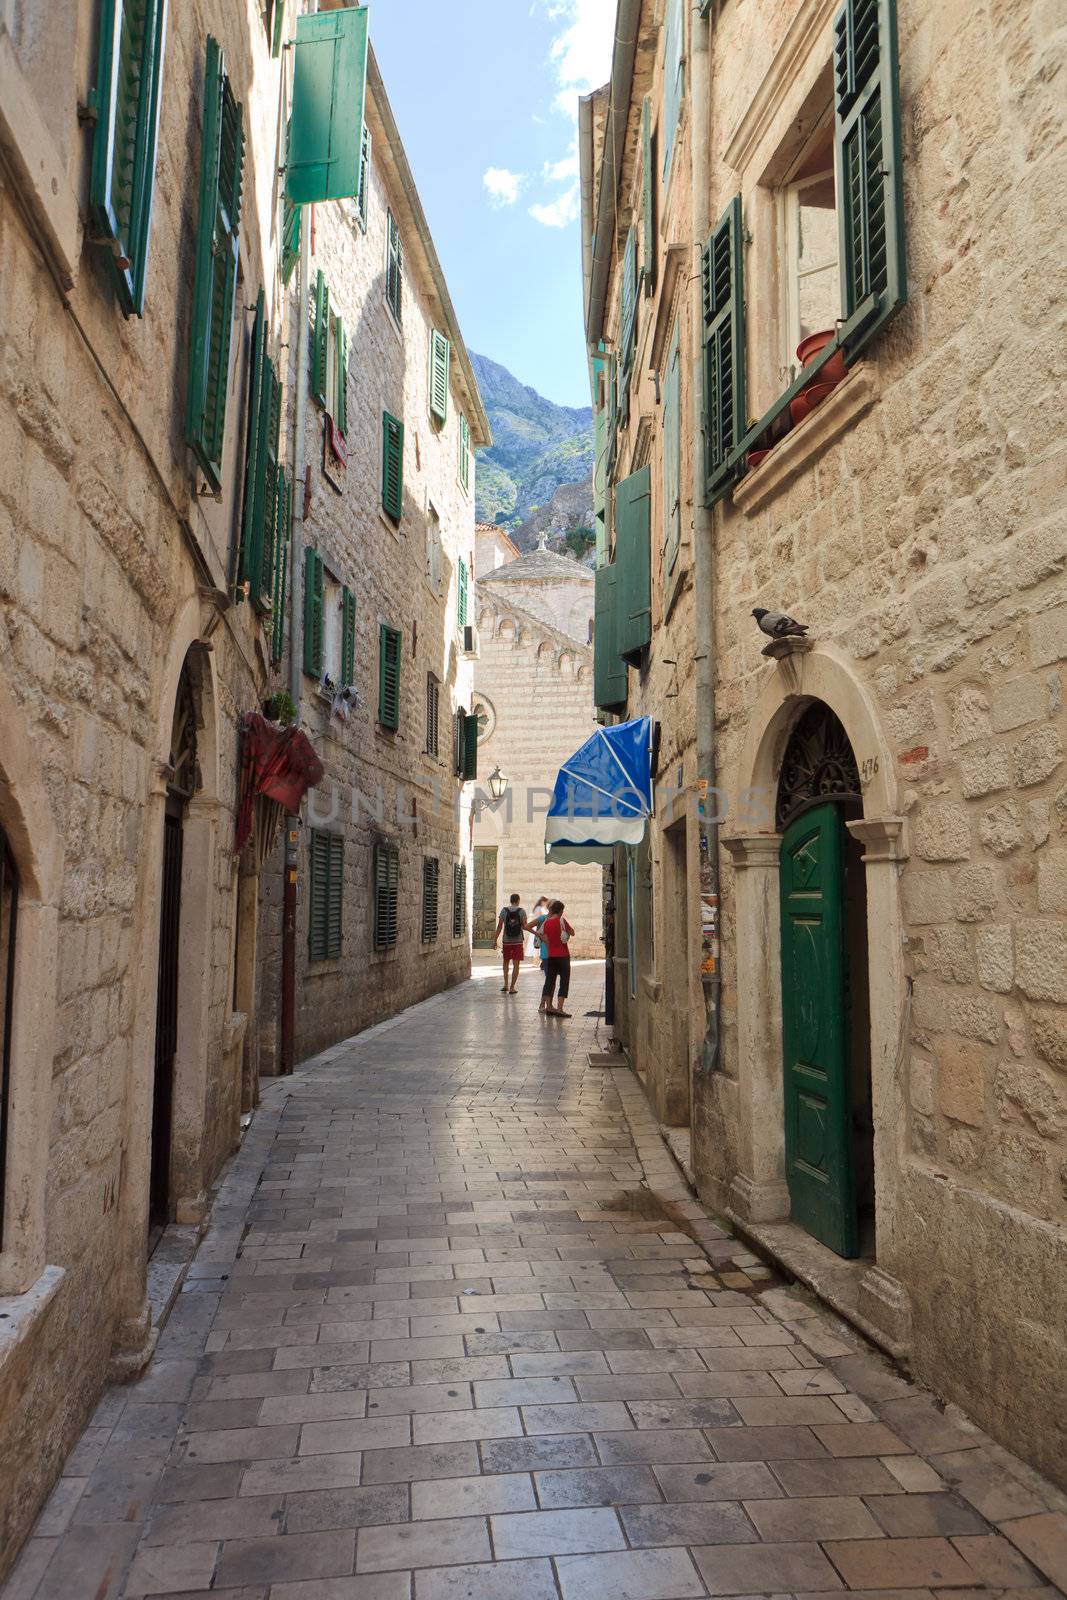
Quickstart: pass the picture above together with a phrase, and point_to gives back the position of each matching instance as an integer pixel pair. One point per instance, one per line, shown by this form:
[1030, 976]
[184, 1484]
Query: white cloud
[503, 187]
[564, 170]
[560, 212]
[581, 50]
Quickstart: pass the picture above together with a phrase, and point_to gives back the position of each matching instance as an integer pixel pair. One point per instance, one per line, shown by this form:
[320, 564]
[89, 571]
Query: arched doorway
[182, 784]
[829, 1128]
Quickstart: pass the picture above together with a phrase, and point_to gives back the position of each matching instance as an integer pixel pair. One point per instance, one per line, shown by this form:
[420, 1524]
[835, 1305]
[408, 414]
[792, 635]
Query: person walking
[537, 917]
[556, 933]
[513, 924]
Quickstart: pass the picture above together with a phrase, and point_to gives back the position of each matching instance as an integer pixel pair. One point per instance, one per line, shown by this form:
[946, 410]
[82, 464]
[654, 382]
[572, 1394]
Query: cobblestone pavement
[440, 1341]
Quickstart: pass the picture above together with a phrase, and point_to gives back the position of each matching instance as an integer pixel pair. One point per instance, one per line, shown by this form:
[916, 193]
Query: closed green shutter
[392, 467]
[326, 881]
[470, 746]
[283, 524]
[329, 87]
[394, 270]
[462, 593]
[263, 587]
[320, 340]
[251, 525]
[672, 457]
[673, 80]
[389, 640]
[364, 175]
[459, 899]
[348, 636]
[724, 349]
[464, 452]
[433, 714]
[386, 898]
[217, 235]
[314, 597]
[869, 161]
[290, 239]
[440, 352]
[633, 565]
[125, 138]
[340, 402]
[459, 741]
[609, 670]
[648, 199]
[628, 312]
[431, 876]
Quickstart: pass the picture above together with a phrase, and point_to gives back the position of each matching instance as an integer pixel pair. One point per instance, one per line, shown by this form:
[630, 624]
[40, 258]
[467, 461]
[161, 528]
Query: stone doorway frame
[758, 1192]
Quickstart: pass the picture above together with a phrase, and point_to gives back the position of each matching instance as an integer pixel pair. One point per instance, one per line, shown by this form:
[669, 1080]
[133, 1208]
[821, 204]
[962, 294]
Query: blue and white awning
[603, 795]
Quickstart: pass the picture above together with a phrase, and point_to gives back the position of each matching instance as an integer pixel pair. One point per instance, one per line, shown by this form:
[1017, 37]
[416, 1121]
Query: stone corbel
[752, 849]
[882, 837]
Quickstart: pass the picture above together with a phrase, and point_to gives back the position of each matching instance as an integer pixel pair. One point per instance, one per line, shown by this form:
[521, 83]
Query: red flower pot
[803, 404]
[809, 348]
[754, 457]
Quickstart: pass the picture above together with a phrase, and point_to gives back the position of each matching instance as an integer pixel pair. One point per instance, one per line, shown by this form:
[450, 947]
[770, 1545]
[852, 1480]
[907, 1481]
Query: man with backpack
[513, 924]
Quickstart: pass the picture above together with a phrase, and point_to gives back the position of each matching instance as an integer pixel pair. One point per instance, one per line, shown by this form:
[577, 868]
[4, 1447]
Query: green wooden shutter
[470, 747]
[459, 899]
[433, 713]
[335, 896]
[277, 27]
[613, 416]
[348, 636]
[314, 598]
[217, 234]
[431, 870]
[320, 340]
[464, 452]
[394, 270]
[329, 87]
[318, 893]
[724, 349]
[386, 898]
[459, 740]
[462, 593]
[251, 516]
[364, 175]
[672, 456]
[673, 80]
[628, 312]
[283, 523]
[869, 159]
[633, 565]
[389, 641]
[340, 402]
[440, 353]
[392, 467]
[125, 139]
[609, 670]
[290, 239]
[648, 199]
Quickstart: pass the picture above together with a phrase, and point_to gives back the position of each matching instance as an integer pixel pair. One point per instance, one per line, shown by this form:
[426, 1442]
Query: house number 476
[869, 768]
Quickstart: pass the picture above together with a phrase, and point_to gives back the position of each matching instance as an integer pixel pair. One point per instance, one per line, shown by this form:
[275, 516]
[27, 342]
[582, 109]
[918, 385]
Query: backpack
[513, 925]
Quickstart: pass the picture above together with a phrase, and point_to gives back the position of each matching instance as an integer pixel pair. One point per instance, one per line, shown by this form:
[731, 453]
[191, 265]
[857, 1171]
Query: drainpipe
[704, 548]
[302, 334]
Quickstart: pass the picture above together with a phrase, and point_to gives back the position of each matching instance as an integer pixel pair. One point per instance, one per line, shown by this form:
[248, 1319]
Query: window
[260, 531]
[810, 247]
[394, 270]
[392, 467]
[440, 352]
[434, 563]
[673, 80]
[672, 457]
[433, 714]
[459, 899]
[431, 876]
[215, 280]
[123, 174]
[9, 901]
[389, 641]
[462, 593]
[329, 357]
[325, 894]
[464, 452]
[363, 197]
[386, 885]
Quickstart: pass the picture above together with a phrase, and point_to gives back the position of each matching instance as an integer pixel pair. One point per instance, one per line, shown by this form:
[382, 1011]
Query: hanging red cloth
[277, 762]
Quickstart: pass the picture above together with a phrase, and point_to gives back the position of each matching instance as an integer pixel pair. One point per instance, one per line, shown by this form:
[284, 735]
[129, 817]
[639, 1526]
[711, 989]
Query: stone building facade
[129, 927]
[533, 686]
[900, 770]
[392, 782]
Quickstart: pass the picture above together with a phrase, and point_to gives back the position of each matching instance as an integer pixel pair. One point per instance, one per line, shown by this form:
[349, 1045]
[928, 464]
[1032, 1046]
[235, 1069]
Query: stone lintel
[752, 849]
[881, 837]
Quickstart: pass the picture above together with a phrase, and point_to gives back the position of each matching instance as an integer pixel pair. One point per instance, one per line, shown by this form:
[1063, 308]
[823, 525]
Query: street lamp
[498, 784]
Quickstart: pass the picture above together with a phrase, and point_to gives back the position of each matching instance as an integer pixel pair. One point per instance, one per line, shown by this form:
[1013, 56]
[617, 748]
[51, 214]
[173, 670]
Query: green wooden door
[485, 895]
[818, 1110]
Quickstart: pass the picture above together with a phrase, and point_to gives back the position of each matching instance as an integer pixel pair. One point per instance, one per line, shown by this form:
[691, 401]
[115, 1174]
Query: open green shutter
[252, 513]
[609, 670]
[277, 27]
[633, 564]
[364, 175]
[648, 199]
[440, 354]
[461, 593]
[329, 86]
[215, 281]
[628, 315]
[470, 747]
[125, 139]
[392, 467]
[320, 340]
[673, 80]
[869, 162]
[431, 868]
[394, 269]
[314, 594]
[340, 401]
[282, 523]
[672, 459]
[459, 723]
[348, 636]
[335, 896]
[464, 452]
[389, 677]
[318, 894]
[724, 349]
[459, 899]
[272, 422]
[290, 239]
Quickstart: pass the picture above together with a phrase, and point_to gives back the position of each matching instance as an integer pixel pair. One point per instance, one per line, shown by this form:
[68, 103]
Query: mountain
[538, 472]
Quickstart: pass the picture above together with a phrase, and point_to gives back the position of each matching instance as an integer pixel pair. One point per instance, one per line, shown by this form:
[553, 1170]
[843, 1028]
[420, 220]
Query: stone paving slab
[458, 1330]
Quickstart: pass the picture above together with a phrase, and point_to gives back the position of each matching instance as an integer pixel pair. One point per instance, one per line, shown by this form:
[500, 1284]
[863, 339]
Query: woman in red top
[555, 931]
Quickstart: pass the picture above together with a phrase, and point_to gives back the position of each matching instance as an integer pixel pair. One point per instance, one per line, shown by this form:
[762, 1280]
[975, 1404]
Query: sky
[485, 93]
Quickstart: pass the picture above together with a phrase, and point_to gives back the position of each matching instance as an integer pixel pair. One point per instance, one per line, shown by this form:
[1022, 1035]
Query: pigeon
[778, 625]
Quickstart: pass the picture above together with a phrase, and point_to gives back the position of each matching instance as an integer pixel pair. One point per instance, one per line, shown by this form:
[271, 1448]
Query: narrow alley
[446, 1336]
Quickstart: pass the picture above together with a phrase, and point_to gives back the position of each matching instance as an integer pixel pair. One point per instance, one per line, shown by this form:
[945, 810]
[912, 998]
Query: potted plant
[280, 708]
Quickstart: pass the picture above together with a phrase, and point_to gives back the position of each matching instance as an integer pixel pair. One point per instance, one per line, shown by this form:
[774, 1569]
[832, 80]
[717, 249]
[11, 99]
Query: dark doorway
[829, 1126]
